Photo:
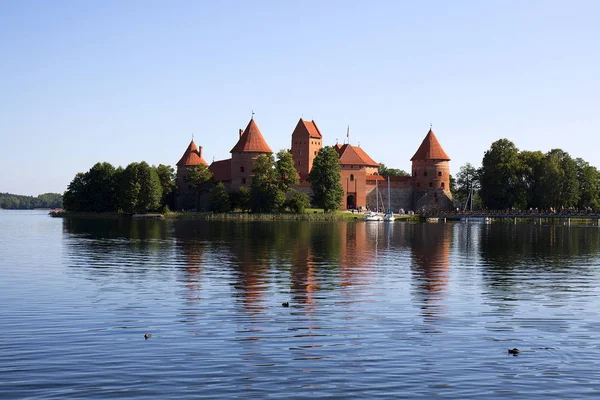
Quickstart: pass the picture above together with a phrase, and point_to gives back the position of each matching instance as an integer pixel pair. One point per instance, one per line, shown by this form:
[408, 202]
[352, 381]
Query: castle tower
[306, 143]
[250, 145]
[431, 174]
[191, 158]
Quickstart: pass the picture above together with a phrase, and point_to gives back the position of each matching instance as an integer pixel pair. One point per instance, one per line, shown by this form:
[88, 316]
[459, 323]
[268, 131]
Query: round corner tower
[431, 166]
[190, 159]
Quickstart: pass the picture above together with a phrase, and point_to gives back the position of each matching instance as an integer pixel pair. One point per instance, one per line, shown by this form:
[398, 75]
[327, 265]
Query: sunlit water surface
[375, 310]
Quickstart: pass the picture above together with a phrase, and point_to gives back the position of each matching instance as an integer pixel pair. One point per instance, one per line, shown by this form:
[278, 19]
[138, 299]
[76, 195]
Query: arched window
[430, 184]
[241, 169]
[243, 181]
[439, 173]
[425, 173]
[351, 177]
[442, 185]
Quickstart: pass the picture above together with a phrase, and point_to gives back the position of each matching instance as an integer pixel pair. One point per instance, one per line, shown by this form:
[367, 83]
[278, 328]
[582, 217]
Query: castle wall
[401, 198]
[432, 200]
[304, 187]
[192, 200]
[242, 164]
[182, 178]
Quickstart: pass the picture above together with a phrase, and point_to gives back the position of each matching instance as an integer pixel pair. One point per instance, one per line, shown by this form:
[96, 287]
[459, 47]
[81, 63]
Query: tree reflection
[514, 255]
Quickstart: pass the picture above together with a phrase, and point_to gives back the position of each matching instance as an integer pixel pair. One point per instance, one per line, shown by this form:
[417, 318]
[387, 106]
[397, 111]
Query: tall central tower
[306, 143]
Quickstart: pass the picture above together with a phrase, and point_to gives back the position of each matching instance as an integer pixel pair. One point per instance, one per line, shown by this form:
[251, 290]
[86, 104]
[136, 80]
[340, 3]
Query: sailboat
[389, 216]
[373, 216]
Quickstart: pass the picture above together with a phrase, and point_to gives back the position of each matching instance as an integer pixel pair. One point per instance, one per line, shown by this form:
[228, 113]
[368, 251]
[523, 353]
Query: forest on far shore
[11, 201]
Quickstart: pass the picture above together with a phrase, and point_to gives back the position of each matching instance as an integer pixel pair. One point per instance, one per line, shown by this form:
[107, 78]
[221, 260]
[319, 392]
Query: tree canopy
[325, 180]
[385, 171]
[509, 178]
[104, 188]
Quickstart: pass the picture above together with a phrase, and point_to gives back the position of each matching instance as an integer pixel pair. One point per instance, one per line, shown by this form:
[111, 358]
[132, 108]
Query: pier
[515, 216]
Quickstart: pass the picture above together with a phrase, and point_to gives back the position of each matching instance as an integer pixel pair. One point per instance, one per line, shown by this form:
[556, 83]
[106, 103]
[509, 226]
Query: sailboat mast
[389, 197]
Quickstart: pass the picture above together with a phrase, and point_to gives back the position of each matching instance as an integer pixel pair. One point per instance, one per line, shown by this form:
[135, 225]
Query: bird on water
[286, 304]
[147, 336]
[514, 351]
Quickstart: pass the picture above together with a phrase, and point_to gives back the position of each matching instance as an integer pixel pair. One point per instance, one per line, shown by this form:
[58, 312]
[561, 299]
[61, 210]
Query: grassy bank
[309, 215]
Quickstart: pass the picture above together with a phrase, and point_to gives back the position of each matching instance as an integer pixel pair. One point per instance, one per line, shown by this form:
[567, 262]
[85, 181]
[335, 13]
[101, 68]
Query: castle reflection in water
[259, 265]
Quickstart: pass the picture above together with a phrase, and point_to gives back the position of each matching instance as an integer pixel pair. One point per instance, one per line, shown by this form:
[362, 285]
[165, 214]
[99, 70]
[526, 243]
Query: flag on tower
[348, 132]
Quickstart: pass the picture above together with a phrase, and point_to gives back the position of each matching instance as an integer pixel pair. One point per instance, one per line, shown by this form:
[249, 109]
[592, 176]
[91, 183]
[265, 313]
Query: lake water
[375, 311]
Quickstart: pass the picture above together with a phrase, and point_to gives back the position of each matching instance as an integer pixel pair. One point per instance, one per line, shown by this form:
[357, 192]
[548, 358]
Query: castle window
[425, 173]
[300, 152]
[442, 185]
[315, 153]
[241, 169]
[430, 184]
[440, 173]
[299, 162]
[351, 177]
[243, 181]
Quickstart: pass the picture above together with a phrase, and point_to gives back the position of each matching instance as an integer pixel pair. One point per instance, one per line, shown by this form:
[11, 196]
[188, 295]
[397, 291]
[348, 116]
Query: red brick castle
[428, 187]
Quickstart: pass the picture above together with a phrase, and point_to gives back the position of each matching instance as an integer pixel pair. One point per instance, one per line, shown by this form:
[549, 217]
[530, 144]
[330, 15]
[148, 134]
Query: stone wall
[402, 198]
[432, 200]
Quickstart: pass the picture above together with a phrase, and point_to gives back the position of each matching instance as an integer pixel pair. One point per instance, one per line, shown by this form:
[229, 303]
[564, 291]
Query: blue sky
[124, 81]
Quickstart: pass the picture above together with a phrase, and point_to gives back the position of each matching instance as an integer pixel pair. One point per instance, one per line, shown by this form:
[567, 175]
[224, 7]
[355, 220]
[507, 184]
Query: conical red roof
[251, 140]
[430, 149]
[192, 156]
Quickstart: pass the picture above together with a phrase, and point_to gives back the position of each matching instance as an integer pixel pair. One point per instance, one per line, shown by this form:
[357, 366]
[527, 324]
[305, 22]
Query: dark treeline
[17, 202]
[509, 178]
[137, 188]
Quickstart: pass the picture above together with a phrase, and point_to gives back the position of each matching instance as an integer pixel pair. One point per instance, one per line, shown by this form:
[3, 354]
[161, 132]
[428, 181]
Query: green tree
[266, 191]
[240, 199]
[199, 176]
[530, 164]
[77, 196]
[466, 194]
[129, 188]
[325, 180]
[499, 176]
[298, 201]
[151, 189]
[385, 171]
[287, 175]
[166, 175]
[102, 188]
[589, 185]
[140, 189]
[219, 199]
[558, 182]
